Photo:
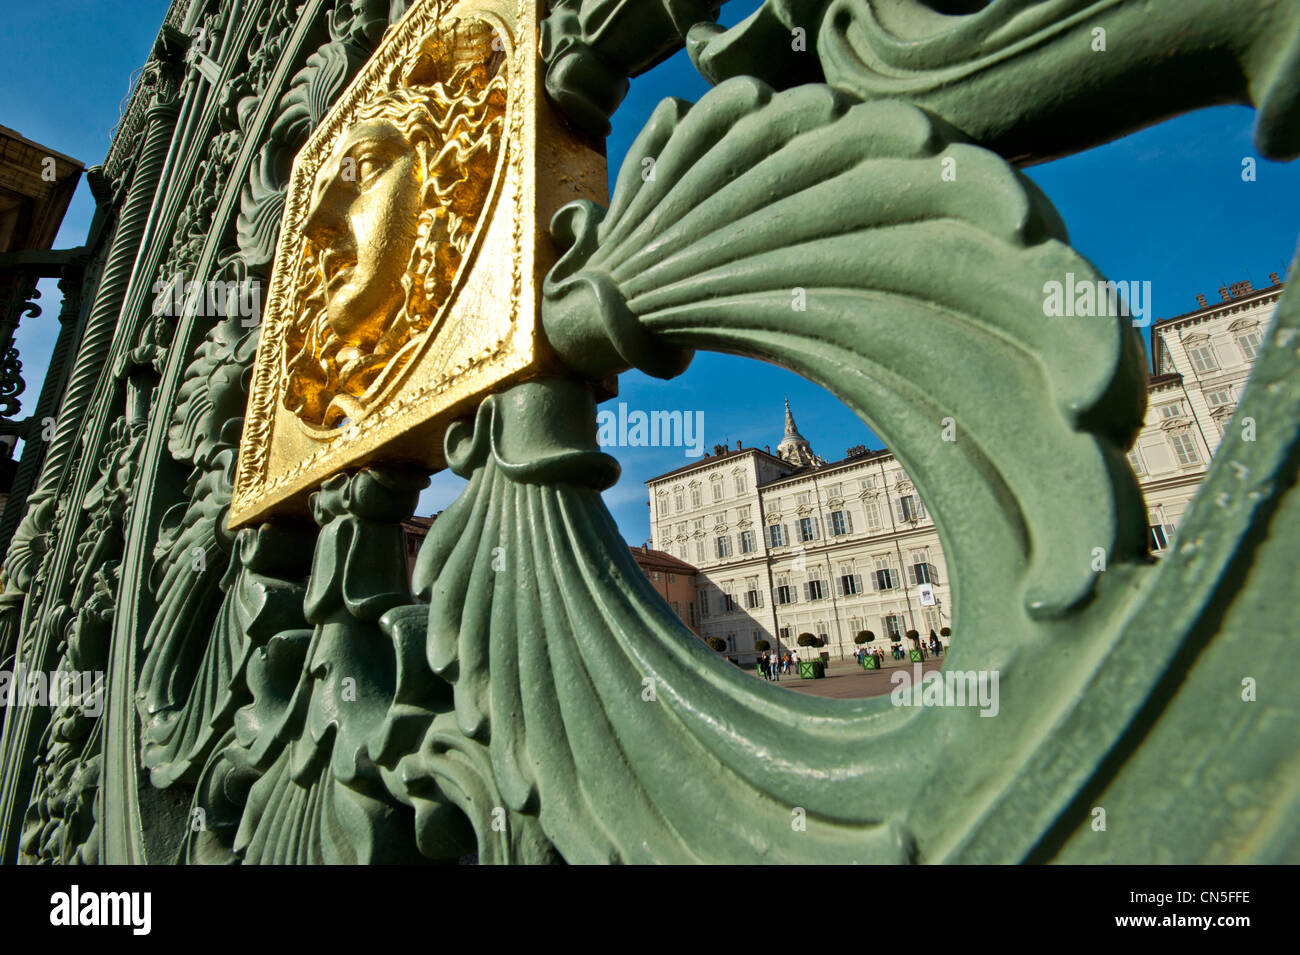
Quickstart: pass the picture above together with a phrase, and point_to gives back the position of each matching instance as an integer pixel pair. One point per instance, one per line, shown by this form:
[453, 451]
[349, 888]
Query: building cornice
[710, 460]
[1205, 313]
[871, 457]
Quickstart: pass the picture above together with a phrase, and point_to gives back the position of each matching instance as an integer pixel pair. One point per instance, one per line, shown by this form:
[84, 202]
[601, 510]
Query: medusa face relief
[413, 248]
[365, 201]
[391, 213]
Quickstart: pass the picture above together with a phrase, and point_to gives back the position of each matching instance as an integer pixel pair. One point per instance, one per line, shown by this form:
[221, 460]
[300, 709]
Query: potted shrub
[916, 654]
[868, 659]
[761, 645]
[810, 669]
[716, 643]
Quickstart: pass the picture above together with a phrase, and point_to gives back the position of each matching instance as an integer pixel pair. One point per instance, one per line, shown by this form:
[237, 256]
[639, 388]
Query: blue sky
[1166, 205]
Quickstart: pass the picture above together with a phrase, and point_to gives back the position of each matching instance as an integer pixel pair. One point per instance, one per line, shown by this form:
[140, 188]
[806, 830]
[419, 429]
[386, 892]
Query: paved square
[846, 680]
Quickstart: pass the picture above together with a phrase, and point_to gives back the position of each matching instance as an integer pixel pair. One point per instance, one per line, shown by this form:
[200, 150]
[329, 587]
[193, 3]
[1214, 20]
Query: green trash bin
[807, 670]
[869, 662]
[915, 654]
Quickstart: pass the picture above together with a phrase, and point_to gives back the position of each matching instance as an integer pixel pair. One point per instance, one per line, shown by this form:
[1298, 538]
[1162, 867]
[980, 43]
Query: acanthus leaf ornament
[705, 254]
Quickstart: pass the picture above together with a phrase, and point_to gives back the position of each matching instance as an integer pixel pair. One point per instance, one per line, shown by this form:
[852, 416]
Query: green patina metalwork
[277, 696]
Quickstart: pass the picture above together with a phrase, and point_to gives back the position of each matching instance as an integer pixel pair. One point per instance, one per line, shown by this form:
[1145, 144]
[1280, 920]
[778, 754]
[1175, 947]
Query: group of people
[875, 653]
[773, 665]
[933, 645]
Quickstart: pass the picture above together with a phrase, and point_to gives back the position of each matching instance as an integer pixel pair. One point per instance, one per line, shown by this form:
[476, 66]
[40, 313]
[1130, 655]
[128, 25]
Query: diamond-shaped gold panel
[406, 280]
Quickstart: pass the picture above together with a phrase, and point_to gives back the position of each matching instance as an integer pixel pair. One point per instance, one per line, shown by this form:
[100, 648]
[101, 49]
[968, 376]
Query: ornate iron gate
[274, 694]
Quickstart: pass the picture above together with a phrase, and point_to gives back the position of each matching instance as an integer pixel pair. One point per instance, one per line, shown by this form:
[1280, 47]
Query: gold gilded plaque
[406, 282]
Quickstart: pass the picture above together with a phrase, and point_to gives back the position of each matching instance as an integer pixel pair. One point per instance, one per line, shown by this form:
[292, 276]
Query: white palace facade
[788, 543]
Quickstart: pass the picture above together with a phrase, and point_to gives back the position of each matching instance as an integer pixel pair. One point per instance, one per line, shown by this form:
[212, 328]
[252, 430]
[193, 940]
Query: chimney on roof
[1223, 293]
[767, 448]
[1238, 289]
[739, 445]
[645, 548]
[1275, 278]
[1200, 300]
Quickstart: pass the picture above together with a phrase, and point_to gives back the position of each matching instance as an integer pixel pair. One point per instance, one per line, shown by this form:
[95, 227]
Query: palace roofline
[1229, 301]
[661, 560]
[799, 473]
[709, 459]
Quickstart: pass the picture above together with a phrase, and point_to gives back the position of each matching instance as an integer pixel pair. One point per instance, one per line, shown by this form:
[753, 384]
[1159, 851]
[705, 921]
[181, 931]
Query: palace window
[1172, 410]
[886, 579]
[695, 495]
[694, 616]
[871, 508]
[1249, 342]
[741, 484]
[722, 546]
[785, 634]
[776, 536]
[814, 590]
[841, 523]
[922, 571]
[910, 508]
[892, 624]
[807, 528]
[747, 542]
[717, 487]
[1162, 533]
[1184, 448]
[1203, 359]
[835, 491]
[728, 601]
[753, 596]
[849, 582]
[1219, 397]
[679, 500]
[699, 551]
[1135, 462]
[704, 602]
[801, 499]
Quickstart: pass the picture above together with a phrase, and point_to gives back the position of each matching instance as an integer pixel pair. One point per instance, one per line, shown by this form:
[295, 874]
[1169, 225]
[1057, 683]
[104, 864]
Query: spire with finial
[790, 429]
[794, 447]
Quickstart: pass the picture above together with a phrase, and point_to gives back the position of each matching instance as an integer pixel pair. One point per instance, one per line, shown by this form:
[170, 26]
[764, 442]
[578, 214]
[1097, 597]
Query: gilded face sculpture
[392, 211]
[362, 220]
[413, 249]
